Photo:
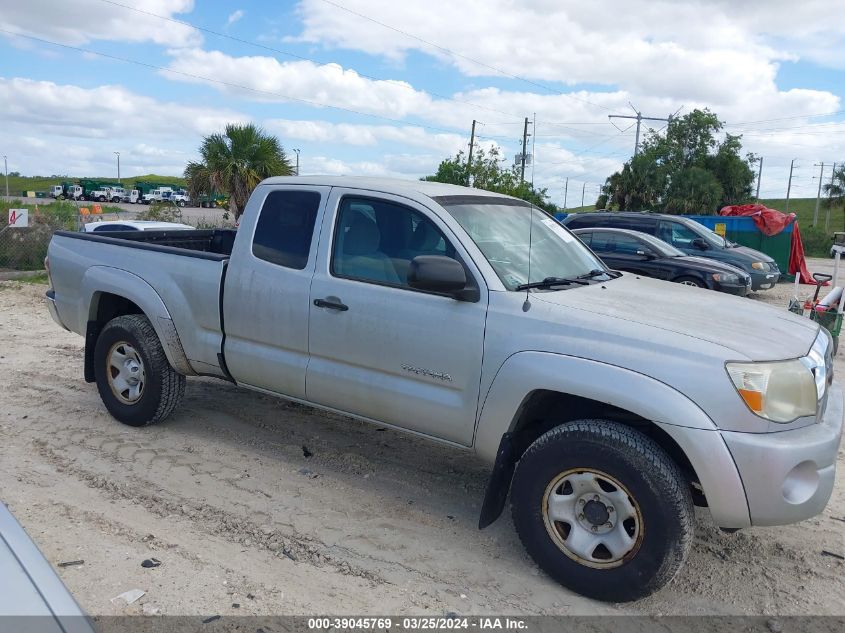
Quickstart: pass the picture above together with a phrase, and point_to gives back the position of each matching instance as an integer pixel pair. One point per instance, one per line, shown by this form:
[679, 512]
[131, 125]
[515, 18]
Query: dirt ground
[373, 522]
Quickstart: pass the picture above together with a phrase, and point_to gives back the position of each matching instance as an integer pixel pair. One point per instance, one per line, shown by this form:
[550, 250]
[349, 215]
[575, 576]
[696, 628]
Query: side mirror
[648, 255]
[436, 273]
[700, 243]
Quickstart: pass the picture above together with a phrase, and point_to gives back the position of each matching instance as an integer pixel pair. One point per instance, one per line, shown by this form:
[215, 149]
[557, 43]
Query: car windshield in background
[500, 228]
[714, 239]
[661, 247]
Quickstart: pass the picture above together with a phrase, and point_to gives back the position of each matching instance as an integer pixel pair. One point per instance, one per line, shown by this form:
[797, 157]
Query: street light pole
[297, 161]
[6, 168]
[118, 166]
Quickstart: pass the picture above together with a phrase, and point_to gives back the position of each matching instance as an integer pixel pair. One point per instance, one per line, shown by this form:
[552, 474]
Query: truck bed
[213, 243]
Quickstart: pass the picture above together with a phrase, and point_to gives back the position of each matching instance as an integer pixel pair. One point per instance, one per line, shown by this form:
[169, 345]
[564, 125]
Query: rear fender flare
[99, 280]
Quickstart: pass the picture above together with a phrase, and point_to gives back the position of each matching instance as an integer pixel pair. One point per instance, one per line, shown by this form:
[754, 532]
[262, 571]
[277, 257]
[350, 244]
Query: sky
[380, 87]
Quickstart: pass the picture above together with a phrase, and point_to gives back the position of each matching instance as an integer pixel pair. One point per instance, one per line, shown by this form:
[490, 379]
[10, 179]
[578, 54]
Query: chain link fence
[24, 248]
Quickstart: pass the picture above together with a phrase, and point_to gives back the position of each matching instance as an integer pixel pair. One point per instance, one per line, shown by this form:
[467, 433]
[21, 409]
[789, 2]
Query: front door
[380, 349]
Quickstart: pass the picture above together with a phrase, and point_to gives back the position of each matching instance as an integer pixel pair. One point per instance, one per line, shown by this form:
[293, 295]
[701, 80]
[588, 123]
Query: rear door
[380, 349]
[266, 289]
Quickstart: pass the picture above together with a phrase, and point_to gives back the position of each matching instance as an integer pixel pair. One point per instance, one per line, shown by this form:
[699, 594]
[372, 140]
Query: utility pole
[827, 212]
[639, 119]
[6, 167]
[818, 193]
[524, 148]
[789, 186]
[297, 161]
[759, 176]
[533, 144]
[118, 166]
[565, 193]
[471, 148]
[583, 190]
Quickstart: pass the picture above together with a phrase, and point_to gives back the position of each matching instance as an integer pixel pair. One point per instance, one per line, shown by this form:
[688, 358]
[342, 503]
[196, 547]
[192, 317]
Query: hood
[750, 254]
[751, 329]
[709, 265]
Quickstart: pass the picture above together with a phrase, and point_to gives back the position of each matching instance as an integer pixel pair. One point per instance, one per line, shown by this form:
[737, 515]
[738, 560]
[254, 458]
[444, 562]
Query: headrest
[362, 238]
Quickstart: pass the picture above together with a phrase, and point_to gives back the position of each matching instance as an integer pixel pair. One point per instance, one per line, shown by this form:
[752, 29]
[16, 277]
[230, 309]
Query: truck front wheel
[603, 510]
[134, 378]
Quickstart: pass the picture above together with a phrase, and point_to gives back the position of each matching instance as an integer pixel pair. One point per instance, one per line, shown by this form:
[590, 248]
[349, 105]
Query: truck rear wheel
[134, 378]
[603, 510]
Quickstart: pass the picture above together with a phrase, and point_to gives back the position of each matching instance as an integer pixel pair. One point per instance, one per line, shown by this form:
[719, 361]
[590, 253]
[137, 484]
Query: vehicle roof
[608, 229]
[635, 214]
[398, 186]
[141, 225]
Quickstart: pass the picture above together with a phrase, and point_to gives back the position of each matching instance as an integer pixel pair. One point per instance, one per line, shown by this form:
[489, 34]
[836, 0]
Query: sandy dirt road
[373, 522]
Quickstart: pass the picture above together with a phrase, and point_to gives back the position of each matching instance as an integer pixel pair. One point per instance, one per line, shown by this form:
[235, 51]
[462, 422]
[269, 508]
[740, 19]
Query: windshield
[662, 248]
[500, 228]
[714, 239]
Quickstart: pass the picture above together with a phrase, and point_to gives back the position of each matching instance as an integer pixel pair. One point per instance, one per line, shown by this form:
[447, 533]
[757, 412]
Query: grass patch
[40, 278]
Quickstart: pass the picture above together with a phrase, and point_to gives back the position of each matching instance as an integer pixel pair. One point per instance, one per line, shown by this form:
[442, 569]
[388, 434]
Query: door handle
[331, 305]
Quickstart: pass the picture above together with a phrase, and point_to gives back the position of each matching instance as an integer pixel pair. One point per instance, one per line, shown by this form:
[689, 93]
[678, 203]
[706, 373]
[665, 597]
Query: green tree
[686, 171]
[234, 162]
[486, 172]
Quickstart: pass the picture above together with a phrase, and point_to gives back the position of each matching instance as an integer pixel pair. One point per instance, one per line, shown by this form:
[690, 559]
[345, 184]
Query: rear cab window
[285, 228]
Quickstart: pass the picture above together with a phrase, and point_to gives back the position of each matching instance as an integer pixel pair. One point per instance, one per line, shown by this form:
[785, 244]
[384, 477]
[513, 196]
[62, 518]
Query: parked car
[688, 236]
[135, 225]
[635, 252]
[32, 597]
[606, 404]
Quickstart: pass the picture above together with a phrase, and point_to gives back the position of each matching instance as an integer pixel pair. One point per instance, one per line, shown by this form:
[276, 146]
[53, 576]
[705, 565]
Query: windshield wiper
[550, 282]
[596, 272]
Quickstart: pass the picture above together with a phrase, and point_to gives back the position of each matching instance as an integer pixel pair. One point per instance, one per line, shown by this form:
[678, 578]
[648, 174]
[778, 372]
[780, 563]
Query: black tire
[181, 203]
[655, 488]
[690, 281]
[102, 198]
[163, 388]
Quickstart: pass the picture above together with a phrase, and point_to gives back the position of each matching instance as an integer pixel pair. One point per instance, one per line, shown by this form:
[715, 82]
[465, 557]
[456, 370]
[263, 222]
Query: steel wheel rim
[125, 373]
[574, 504]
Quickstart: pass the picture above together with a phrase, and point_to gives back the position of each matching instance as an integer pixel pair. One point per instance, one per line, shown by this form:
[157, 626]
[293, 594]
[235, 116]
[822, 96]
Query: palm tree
[835, 189]
[234, 162]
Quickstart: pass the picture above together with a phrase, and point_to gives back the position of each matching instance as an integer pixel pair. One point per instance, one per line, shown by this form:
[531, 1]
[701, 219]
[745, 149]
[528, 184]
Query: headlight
[780, 391]
[726, 278]
[760, 266]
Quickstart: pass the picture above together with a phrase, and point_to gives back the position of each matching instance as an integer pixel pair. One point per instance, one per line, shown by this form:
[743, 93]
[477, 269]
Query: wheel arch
[111, 292]
[535, 391]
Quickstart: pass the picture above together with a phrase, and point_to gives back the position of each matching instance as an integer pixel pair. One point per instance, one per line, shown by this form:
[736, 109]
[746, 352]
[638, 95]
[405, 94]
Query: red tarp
[772, 222]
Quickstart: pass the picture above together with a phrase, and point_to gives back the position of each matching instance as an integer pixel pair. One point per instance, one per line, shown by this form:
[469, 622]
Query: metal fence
[24, 248]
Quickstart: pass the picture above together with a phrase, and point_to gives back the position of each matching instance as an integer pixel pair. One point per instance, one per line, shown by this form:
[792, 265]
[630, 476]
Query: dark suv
[688, 236]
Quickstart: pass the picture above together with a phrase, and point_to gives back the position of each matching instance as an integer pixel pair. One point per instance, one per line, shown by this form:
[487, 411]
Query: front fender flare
[697, 435]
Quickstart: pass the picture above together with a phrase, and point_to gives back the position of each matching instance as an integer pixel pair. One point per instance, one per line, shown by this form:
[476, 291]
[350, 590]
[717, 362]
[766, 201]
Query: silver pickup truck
[606, 405]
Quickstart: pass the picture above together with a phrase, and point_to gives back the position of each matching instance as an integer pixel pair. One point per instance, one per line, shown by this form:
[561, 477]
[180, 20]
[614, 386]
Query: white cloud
[53, 128]
[77, 22]
[234, 17]
[696, 46]
[364, 135]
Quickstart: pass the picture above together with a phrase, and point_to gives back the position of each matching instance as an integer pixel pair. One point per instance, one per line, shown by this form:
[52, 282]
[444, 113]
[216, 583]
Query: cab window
[285, 228]
[375, 241]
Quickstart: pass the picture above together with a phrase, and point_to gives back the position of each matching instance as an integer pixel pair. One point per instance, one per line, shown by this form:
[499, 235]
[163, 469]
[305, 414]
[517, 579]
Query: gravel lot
[373, 522]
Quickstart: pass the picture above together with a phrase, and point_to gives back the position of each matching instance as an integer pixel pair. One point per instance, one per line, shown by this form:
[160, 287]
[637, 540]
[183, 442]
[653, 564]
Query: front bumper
[763, 280]
[739, 290]
[788, 476]
[51, 306]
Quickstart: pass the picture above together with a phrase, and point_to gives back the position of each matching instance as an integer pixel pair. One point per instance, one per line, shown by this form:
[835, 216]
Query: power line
[226, 83]
[787, 118]
[469, 59]
[295, 56]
